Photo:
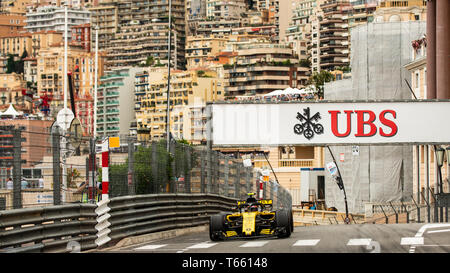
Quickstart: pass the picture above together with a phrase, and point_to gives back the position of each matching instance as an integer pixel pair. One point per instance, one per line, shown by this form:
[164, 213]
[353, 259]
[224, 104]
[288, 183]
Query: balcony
[295, 162]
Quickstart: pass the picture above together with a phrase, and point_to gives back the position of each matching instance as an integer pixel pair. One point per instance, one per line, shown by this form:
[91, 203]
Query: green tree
[319, 80]
[150, 61]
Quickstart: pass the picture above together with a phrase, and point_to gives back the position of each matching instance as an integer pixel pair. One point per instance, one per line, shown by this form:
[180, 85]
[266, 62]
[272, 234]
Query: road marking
[422, 230]
[437, 231]
[306, 242]
[202, 245]
[411, 241]
[359, 242]
[149, 247]
[255, 244]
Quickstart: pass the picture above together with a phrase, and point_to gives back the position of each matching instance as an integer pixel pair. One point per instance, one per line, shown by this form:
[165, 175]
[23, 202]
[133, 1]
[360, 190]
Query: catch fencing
[58, 173]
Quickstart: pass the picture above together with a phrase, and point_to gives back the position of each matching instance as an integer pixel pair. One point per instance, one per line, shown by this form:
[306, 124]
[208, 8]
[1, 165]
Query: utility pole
[64, 140]
[56, 167]
[17, 169]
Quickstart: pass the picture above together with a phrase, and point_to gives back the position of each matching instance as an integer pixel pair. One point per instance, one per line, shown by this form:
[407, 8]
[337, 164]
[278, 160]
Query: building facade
[115, 106]
[189, 92]
[132, 30]
[263, 68]
[53, 18]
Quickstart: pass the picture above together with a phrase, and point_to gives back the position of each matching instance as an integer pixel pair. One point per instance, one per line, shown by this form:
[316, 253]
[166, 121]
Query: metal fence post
[187, 178]
[155, 167]
[237, 188]
[56, 166]
[247, 179]
[208, 170]
[17, 169]
[172, 180]
[428, 208]
[271, 190]
[202, 171]
[131, 186]
[226, 176]
[396, 214]
[418, 209]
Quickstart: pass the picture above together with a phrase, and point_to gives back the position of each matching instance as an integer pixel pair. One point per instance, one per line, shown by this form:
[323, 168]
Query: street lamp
[336, 174]
[440, 152]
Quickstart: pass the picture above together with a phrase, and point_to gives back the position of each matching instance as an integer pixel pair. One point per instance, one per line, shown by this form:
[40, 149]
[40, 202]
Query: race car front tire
[216, 227]
[284, 224]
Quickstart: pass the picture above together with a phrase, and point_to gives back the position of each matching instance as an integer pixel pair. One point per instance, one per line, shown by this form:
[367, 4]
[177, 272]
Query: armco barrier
[59, 228]
[48, 229]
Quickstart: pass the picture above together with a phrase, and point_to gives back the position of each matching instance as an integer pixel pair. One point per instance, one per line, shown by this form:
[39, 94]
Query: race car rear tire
[216, 227]
[284, 223]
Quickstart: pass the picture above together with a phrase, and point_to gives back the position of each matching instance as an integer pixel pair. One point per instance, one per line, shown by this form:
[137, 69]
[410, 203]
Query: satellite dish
[64, 118]
[75, 133]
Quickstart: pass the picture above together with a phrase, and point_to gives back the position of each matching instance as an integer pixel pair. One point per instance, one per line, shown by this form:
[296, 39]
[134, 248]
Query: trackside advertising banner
[323, 123]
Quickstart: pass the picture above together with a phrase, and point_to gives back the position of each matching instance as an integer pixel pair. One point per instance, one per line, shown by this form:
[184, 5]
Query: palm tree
[319, 79]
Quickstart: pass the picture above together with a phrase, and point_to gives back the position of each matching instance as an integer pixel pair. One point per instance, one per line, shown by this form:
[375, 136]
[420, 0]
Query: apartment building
[16, 44]
[115, 106]
[298, 34]
[396, 11]
[263, 68]
[35, 140]
[50, 71]
[44, 39]
[334, 35]
[11, 24]
[3, 64]
[81, 36]
[425, 170]
[16, 7]
[219, 9]
[199, 49]
[135, 29]
[147, 40]
[11, 86]
[46, 18]
[190, 90]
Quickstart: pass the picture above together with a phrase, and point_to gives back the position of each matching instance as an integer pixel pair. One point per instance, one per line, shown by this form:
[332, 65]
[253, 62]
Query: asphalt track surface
[367, 238]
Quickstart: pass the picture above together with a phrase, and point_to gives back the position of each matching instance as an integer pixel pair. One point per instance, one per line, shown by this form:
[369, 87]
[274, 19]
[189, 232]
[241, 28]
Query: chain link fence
[32, 161]
[40, 167]
[186, 169]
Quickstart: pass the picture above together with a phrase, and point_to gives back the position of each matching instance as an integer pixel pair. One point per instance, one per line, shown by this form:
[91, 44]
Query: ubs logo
[308, 125]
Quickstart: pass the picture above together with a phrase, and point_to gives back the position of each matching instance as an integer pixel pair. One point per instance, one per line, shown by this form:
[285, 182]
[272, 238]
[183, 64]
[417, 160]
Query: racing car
[252, 218]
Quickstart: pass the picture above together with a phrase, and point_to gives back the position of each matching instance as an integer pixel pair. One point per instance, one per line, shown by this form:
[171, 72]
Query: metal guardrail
[47, 229]
[54, 229]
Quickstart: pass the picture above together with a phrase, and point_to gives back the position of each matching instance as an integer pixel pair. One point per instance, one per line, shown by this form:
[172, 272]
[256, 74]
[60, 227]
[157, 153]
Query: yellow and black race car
[253, 218]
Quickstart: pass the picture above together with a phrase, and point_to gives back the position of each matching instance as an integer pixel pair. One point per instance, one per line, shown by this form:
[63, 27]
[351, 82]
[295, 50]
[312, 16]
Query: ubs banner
[323, 123]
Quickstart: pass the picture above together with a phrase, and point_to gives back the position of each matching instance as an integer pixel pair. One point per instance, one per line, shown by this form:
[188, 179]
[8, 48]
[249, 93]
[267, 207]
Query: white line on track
[359, 242]
[149, 247]
[202, 245]
[422, 230]
[255, 244]
[437, 231]
[306, 242]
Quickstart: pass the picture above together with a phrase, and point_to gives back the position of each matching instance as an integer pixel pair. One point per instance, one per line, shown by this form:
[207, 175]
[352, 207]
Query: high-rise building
[189, 92]
[262, 68]
[115, 106]
[134, 30]
[53, 18]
